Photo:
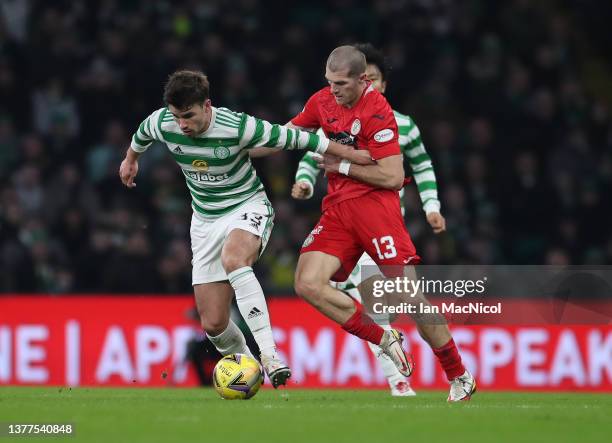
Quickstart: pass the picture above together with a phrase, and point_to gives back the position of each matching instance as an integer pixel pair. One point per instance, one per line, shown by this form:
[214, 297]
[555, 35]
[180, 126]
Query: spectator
[519, 132]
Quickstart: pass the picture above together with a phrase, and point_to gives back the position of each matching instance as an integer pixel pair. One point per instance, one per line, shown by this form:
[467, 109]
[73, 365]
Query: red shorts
[371, 223]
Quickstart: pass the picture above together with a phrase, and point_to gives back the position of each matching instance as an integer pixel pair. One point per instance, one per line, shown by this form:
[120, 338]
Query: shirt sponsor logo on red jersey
[384, 135]
[342, 137]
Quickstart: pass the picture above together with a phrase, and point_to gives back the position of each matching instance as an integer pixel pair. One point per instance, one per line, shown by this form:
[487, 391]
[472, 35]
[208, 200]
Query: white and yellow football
[237, 377]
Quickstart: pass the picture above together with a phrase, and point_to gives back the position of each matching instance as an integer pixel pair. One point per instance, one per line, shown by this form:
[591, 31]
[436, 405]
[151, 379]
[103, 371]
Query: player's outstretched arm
[422, 171]
[265, 138]
[129, 168]
[141, 140]
[254, 133]
[265, 151]
[422, 167]
[387, 173]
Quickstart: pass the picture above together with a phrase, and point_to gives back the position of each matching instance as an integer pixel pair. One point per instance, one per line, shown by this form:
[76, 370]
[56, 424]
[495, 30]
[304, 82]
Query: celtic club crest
[222, 152]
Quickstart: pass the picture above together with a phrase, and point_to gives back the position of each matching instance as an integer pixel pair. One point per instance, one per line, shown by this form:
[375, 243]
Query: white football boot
[391, 345]
[278, 372]
[462, 387]
[402, 389]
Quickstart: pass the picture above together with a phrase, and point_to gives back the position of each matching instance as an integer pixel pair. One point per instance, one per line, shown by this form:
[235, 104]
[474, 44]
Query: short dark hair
[186, 88]
[346, 57]
[374, 57]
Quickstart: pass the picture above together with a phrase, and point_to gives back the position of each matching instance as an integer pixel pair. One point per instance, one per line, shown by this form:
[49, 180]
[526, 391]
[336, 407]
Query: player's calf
[230, 341]
[315, 289]
[310, 289]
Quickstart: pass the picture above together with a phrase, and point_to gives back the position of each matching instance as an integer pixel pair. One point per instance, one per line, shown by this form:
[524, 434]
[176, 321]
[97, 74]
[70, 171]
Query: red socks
[363, 326]
[450, 360]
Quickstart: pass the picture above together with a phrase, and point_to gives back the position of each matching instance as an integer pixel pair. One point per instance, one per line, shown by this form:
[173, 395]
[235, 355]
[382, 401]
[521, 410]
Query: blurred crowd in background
[512, 99]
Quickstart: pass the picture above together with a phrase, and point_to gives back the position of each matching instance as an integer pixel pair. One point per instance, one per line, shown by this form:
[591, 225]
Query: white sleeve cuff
[431, 206]
[139, 149]
[323, 145]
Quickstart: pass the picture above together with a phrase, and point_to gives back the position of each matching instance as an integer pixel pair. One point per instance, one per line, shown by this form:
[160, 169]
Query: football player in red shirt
[361, 213]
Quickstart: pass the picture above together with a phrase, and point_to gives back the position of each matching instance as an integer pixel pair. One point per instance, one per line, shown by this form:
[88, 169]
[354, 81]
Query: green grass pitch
[313, 416]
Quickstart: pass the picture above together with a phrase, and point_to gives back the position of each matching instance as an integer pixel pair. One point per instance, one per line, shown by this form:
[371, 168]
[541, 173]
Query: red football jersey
[370, 124]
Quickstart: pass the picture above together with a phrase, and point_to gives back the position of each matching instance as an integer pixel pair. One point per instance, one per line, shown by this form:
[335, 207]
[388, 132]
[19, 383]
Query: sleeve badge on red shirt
[384, 135]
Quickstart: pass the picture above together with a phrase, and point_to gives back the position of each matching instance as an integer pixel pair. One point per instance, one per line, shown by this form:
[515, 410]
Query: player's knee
[232, 261]
[307, 286]
[240, 249]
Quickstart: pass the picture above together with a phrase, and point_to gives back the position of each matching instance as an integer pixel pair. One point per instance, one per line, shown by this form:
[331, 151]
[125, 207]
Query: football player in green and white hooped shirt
[420, 162]
[232, 216]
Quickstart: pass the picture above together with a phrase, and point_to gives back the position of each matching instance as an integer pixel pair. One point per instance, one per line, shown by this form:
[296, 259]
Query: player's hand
[437, 222]
[301, 190]
[361, 157]
[127, 172]
[329, 163]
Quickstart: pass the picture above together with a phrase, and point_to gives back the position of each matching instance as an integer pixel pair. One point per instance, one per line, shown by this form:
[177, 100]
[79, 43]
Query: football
[237, 377]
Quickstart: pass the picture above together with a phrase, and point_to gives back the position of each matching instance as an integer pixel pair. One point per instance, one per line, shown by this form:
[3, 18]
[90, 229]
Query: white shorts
[208, 237]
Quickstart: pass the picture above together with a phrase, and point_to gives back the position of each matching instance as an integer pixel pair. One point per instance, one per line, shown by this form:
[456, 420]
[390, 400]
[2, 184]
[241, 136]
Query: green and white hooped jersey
[412, 147]
[216, 164]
